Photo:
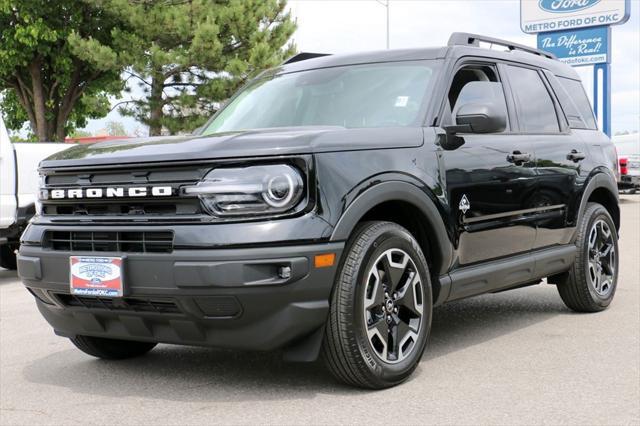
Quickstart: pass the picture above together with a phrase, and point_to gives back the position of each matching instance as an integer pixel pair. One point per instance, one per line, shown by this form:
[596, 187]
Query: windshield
[355, 96]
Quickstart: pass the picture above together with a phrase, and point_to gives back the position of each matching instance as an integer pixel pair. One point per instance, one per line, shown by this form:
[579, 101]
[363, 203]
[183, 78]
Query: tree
[115, 128]
[58, 63]
[193, 54]
[80, 133]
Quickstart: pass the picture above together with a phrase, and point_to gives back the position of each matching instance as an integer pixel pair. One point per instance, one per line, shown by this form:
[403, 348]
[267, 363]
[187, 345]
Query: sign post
[578, 32]
[603, 81]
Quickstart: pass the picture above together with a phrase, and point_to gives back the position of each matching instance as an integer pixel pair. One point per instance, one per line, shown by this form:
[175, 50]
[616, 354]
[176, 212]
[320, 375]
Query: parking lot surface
[517, 357]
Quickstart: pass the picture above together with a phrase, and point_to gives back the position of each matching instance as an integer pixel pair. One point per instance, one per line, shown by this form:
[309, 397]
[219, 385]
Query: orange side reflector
[324, 260]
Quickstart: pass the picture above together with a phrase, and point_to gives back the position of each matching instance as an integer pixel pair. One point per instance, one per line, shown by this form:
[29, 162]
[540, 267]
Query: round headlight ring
[272, 198]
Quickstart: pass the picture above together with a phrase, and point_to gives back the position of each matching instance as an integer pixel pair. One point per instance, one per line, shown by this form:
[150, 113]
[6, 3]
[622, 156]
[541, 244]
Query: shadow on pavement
[199, 374]
[630, 199]
[461, 324]
[8, 277]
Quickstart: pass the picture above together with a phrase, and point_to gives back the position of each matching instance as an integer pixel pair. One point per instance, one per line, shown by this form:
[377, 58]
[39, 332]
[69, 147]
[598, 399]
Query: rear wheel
[111, 348]
[590, 284]
[380, 308]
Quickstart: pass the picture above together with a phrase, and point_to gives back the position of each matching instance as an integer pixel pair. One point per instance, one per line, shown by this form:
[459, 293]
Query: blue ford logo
[564, 6]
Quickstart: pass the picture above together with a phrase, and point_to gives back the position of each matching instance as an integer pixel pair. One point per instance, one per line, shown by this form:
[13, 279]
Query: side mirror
[474, 118]
[483, 117]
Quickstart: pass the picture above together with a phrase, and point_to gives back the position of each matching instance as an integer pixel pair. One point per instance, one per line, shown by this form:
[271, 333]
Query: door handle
[576, 156]
[518, 157]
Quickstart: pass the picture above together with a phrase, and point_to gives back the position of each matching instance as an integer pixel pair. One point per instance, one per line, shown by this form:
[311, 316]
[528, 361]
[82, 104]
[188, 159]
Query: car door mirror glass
[481, 108]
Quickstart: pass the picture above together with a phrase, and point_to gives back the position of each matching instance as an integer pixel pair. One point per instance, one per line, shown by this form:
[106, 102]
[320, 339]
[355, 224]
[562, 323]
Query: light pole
[385, 3]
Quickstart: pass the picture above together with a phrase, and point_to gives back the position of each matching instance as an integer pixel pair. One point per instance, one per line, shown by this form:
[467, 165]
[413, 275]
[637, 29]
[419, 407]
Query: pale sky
[341, 26]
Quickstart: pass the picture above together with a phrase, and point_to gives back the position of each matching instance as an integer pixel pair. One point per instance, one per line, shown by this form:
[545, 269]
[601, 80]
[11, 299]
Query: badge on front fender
[464, 205]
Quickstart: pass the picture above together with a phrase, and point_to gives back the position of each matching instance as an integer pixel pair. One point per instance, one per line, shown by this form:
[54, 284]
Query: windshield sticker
[402, 101]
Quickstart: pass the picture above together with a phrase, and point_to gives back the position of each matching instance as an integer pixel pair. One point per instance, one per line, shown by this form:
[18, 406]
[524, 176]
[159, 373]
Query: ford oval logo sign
[564, 6]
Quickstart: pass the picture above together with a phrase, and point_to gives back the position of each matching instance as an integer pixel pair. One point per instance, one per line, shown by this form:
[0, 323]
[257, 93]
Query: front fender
[398, 191]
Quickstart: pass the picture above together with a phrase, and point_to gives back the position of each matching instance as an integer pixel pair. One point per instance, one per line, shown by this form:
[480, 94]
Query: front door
[490, 179]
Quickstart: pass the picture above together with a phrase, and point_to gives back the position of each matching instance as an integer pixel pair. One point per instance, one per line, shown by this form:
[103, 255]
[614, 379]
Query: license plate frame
[96, 276]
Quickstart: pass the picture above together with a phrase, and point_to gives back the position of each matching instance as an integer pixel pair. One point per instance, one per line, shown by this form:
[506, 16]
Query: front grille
[112, 241]
[124, 208]
[173, 207]
[121, 304]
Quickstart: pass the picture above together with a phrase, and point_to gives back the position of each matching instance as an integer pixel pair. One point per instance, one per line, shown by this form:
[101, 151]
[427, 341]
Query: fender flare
[597, 181]
[398, 191]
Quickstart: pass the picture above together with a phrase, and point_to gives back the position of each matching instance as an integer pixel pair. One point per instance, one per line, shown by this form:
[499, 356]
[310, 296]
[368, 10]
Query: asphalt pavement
[517, 357]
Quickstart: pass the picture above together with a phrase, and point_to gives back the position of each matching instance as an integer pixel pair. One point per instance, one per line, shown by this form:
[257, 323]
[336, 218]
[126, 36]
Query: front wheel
[100, 347]
[590, 284]
[381, 308]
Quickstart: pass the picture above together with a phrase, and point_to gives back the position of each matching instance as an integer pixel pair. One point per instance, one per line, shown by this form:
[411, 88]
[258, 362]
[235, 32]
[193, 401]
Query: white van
[18, 187]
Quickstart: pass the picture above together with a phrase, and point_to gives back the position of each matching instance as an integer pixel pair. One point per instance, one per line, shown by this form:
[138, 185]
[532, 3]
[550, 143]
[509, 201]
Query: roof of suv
[455, 49]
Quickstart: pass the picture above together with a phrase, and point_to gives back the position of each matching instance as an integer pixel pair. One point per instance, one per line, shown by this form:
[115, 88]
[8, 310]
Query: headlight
[255, 190]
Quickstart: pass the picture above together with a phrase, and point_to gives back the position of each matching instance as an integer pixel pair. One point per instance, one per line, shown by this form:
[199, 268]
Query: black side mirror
[483, 117]
[474, 118]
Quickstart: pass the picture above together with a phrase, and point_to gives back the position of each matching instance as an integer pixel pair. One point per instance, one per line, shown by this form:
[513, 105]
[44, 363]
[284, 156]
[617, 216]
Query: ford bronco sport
[329, 206]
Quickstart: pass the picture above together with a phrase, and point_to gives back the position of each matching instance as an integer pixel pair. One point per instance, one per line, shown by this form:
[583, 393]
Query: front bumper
[228, 298]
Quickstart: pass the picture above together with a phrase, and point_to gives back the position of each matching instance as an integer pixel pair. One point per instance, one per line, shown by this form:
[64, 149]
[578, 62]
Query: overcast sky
[340, 26]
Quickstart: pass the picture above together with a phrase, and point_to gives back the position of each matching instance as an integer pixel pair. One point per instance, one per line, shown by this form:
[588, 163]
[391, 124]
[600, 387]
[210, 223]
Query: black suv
[329, 206]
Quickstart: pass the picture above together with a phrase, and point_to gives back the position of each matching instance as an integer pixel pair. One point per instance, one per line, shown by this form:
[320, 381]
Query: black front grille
[121, 304]
[112, 241]
[112, 207]
[172, 207]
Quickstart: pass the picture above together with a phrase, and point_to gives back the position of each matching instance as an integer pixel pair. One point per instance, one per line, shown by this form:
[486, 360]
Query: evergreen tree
[188, 56]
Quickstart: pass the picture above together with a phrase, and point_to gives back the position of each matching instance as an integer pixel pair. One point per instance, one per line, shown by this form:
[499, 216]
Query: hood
[253, 143]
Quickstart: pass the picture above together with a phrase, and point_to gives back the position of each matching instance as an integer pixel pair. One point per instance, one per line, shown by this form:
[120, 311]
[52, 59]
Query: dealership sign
[538, 16]
[585, 46]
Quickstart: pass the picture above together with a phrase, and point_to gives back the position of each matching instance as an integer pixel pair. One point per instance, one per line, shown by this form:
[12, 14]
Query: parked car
[329, 207]
[628, 147]
[18, 188]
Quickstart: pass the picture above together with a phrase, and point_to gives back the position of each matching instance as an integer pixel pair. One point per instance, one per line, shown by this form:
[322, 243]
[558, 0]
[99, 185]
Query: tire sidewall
[389, 237]
[598, 213]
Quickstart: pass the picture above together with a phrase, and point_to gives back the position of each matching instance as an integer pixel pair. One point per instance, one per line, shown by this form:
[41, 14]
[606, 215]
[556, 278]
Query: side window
[568, 106]
[475, 83]
[536, 111]
[576, 91]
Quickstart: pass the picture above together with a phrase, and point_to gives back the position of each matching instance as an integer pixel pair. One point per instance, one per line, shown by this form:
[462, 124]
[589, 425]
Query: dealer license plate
[96, 276]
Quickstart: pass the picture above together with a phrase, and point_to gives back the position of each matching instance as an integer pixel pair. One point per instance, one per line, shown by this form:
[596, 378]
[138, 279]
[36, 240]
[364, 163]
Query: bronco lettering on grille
[112, 192]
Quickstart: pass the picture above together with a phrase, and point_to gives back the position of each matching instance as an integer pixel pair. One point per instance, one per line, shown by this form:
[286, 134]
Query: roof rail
[303, 56]
[466, 39]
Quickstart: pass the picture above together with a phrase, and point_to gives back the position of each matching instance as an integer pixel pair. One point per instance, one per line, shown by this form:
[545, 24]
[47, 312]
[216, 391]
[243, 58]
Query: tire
[111, 348]
[8, 257]
[591, 283]
[354, 346]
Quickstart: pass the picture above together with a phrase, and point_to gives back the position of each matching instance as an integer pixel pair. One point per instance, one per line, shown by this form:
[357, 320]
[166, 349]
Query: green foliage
[58, 64]
[29, 138]
[80, 133]
[189, 55]
[60, 60]
[115, 128]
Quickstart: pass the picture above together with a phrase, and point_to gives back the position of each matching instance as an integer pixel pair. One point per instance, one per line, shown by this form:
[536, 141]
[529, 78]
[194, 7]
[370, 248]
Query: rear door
[560, 154]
